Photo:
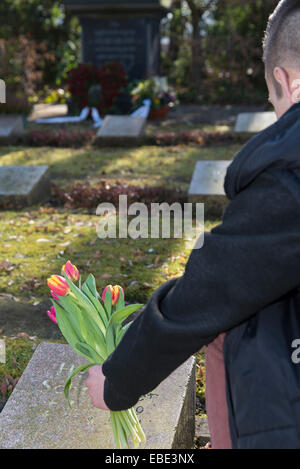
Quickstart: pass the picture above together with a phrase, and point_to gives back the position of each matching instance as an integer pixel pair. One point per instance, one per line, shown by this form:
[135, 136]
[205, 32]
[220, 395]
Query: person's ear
[282, 77]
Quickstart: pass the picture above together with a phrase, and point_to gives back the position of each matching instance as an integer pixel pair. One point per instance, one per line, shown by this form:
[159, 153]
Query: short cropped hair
[281, 44]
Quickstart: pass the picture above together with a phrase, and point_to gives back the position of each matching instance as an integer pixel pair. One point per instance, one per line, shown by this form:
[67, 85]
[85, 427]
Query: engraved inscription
[125, 41]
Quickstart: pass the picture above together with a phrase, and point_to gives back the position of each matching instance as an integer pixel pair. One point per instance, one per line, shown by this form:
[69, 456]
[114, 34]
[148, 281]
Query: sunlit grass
[147, 165]
[36, 243]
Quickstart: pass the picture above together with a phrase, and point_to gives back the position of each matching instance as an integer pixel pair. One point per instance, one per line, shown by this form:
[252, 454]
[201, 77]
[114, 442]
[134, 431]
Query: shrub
[20, 60]
[77, 138]
[199, 137]
[87, 196]
[60, 138]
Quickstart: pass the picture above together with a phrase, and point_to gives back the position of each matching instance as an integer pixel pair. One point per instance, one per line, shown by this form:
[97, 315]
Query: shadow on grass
[151, 165]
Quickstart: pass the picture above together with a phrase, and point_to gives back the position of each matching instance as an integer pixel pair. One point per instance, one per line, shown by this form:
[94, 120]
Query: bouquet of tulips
[92, 325]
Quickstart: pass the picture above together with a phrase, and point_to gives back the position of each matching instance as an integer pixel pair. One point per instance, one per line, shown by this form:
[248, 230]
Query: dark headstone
[126, 33]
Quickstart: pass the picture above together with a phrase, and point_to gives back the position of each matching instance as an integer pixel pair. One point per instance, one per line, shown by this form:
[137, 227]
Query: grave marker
[207, 186]
[11, 127]
[24, 185]
[123, 129]
[37, 414]
[254, 122]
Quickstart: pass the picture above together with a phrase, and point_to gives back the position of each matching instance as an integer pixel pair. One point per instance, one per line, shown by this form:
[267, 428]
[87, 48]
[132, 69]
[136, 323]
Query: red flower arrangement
[111, 76]
[113, 80]
[79, 81]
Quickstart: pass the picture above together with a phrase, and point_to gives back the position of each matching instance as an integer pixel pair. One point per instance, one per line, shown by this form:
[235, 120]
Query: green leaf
[75, 316]
[108, 302]
[87, 305]
[122, 332]
[89, 289]
[91, 284]
[82, 324]
[65, 326]
[80, 369]
[86, 349]
[121, 301]
[110, 339]
[126, 327]
[120, 315]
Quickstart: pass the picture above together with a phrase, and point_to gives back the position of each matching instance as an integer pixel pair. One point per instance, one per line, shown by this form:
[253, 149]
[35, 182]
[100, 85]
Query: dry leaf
[23, 334]
[3, 388]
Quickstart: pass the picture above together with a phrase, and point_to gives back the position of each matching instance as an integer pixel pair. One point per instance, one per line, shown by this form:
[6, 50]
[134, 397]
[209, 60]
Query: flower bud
[52, 314]
[71, 271]
[58, 285]
[115, 293]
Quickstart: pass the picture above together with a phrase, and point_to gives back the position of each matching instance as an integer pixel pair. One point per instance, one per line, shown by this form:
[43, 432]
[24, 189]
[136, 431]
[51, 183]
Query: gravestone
[121, 129]
[24, 185]
[207, 186]
[122, 32]
[37, 414]
[254, 122]
[11, 128]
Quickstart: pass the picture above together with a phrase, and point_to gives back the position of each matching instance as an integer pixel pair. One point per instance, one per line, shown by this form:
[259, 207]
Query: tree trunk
[176, 30]
[197, 59]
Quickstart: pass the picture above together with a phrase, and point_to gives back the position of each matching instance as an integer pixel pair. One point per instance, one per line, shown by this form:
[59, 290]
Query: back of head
[282, 39]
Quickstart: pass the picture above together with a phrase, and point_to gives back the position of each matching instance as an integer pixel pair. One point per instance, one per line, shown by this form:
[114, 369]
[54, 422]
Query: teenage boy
[244, 282]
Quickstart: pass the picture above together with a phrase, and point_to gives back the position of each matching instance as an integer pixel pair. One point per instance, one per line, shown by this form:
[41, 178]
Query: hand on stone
[95, 384]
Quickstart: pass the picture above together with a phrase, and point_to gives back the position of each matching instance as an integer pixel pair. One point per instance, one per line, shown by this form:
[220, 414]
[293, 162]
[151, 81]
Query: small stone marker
[37, 414]
[254, 122]
[11, 127]
[202, 430]
[207, 186]
[24, 185]
[121, 129]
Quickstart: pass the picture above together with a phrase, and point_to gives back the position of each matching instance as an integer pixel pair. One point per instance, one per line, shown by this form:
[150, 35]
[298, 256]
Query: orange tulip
[115, 293]
[71, 271]
[58, 285]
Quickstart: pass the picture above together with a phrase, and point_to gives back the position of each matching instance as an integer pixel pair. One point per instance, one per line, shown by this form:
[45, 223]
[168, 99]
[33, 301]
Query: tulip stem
[121, 434]
[115, 431]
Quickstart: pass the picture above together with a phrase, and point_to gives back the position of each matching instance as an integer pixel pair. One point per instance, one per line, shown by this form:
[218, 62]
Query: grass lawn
[146, 165]
[37, 242]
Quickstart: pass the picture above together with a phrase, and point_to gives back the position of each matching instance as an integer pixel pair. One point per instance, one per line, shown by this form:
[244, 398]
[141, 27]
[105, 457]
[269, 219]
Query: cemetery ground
[37, 241]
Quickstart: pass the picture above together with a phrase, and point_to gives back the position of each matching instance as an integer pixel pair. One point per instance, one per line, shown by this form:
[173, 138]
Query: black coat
[243, 281]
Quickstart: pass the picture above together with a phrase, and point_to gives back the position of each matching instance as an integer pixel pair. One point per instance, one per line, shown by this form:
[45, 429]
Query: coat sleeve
[249, 261]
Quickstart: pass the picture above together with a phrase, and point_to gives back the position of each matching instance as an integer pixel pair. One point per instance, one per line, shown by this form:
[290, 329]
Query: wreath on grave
[96, 87]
